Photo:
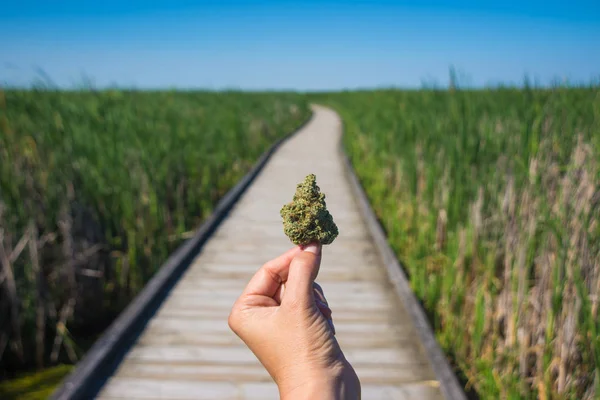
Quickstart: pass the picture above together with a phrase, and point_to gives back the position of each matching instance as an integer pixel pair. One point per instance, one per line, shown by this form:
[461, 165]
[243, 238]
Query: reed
[97, 188]
[491, 200]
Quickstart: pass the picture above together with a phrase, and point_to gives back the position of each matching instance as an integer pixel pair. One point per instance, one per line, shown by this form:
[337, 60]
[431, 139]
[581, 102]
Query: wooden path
[187, 350]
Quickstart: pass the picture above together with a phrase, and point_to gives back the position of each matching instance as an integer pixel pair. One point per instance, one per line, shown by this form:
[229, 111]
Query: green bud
[306, 218]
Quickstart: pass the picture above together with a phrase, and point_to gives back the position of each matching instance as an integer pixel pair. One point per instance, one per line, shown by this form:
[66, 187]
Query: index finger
[271, 275]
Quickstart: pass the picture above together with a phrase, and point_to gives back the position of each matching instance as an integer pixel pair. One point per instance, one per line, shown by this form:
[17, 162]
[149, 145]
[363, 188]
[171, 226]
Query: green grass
[108, 183]
[34, 385]
[490, 199]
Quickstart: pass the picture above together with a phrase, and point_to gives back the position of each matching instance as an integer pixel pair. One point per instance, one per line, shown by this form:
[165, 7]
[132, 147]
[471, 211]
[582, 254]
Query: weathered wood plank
[137, 389]
[369, 375]
[348, 340]
[220, 326]
[238, 354]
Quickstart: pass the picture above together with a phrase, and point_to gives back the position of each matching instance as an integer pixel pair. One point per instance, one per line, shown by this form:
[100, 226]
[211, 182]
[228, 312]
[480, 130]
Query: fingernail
[330, 321]
[321, 298]
[313, 248]
[321, 303]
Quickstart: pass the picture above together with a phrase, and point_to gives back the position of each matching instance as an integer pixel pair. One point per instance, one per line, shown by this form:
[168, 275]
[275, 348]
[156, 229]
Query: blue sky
[308, 45]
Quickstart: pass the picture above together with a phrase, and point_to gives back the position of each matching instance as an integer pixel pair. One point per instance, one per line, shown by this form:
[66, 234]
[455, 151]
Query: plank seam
[449, 385]
[104, 357]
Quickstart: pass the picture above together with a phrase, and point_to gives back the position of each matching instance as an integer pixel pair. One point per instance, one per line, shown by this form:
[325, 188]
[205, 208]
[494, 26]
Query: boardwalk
[187, 350]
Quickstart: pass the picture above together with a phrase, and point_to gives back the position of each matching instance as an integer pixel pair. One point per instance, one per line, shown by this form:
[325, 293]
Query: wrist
[338, 382]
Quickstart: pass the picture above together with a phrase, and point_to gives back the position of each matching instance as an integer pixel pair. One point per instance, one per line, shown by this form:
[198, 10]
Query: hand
[280, 319]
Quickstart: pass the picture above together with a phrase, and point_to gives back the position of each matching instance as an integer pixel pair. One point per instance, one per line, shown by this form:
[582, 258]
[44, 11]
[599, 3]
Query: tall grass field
[97, 188]
[491, 200]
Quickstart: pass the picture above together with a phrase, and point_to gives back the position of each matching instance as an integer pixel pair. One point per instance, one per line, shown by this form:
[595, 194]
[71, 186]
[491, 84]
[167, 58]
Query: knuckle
[296, 305]
[234, 319]
[293, 304]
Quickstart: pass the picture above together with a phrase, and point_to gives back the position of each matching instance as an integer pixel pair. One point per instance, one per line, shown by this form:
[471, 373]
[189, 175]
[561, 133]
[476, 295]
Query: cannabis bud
[306, 218]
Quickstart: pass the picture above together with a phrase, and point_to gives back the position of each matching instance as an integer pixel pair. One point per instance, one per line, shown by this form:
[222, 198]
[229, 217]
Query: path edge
[90, 373]
[449, 384]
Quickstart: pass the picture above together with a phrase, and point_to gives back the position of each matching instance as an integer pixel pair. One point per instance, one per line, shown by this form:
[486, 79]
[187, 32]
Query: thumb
[303, 272]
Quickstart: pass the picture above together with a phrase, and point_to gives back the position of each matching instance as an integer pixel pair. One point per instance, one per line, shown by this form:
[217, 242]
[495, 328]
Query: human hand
[283, 317]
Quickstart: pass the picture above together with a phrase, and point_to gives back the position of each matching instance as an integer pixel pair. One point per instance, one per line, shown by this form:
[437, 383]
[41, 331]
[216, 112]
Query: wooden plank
[340, 315]
[428, 390]
[194, 373]
[324, 276]
[193, 354]
[240, 355]
[204, 296]
[220, 326]
[349, 258]
[383, 375]
[137, 389]
[161, 336]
